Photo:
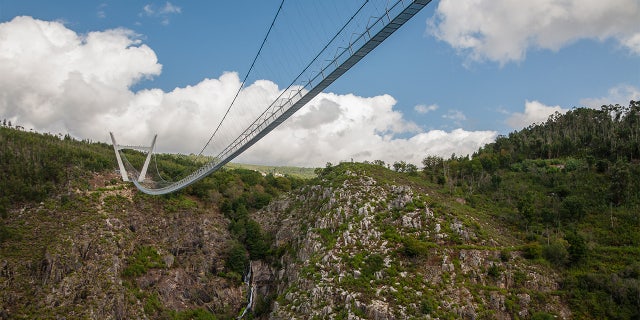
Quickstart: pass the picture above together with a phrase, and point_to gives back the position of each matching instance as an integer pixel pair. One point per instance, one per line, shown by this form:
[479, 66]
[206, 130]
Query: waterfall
[248, 280]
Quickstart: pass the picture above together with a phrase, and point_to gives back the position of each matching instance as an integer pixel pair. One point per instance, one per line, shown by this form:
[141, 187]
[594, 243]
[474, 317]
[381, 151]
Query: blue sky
[458, 70]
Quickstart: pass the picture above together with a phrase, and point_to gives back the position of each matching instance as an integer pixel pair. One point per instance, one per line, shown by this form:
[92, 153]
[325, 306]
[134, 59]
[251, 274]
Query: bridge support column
[116, 148]
[143, 173]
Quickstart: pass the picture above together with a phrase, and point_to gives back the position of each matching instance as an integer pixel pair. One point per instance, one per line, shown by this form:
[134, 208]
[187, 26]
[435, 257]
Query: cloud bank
[534, 112]
[620, 94]
[504, 30]
[360, 129]
[56, 80]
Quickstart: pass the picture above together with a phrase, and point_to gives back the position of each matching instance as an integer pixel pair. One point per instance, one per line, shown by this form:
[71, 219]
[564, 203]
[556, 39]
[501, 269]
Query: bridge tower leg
[116, 148]
[143, 173]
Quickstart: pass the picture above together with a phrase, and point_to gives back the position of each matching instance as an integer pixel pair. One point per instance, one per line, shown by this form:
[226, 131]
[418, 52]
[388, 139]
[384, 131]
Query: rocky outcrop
[77, 259]
[369, 250]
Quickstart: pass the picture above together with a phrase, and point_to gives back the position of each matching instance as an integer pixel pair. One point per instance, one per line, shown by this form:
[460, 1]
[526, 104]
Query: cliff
[108, 252]
[365, 243]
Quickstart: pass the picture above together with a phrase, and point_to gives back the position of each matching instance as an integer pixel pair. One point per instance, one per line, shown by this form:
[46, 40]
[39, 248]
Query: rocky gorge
[359, 244]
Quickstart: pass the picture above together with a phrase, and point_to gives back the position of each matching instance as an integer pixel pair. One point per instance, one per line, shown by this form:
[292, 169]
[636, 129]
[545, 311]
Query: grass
[303, 173]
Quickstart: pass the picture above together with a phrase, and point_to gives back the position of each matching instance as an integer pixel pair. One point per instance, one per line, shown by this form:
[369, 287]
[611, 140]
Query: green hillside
[77, 242]
[543, 222]
[570, 188]
[303, 173]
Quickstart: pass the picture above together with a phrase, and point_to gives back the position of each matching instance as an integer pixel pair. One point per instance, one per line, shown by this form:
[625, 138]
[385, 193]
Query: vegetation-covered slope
[544, 222]
[76, 242]
[570, 187]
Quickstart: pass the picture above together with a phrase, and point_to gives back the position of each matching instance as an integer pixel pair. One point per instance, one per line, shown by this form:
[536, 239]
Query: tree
[434, 168]
[399, 166]
[379, 163]
[577, 246]
[526, 207]
[237, 259]
[489, 162]
[572, 207]
[411, 169]
[432, 163]
[556, 253]
[256, 244]
[620, 178]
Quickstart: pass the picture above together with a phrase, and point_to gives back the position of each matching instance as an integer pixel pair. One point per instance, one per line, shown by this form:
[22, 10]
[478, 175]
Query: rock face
[353, 246]
[112, 253]
[362, 249]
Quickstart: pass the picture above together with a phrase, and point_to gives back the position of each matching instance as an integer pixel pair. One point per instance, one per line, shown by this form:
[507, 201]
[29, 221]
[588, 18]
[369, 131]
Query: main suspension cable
[323, 49]
[245, 78]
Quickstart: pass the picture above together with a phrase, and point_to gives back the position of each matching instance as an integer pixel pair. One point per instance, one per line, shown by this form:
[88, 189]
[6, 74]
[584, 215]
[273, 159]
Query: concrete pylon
[123, 171]
[143, 172]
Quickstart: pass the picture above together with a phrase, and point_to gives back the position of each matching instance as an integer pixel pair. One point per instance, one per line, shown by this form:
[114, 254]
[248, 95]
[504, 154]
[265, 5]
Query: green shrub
[519, 278]
[511, 305]
[505, 255]
[141, 261]
[556, 253]
[372, 264]
[494, 271]
[542, 316]
[391, 234]
[532, 250]
[152, 305]
[415, 248]
[428, 305]
[194, 314]
[328, 237]
[7, 233]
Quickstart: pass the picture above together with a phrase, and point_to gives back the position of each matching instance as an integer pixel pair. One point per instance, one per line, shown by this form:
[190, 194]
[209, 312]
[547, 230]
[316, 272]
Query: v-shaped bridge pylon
[123, 170]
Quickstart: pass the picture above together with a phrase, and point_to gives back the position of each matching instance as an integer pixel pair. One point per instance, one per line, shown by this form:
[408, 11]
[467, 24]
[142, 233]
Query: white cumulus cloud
[456, 116]
[56, 80]
[503, 30]
[534, 112]
[53, 78]
[424, 109]
[620, 94]
[162, 12]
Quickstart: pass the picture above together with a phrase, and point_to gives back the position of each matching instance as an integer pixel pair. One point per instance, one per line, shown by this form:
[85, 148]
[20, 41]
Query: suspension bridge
[349, 45]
